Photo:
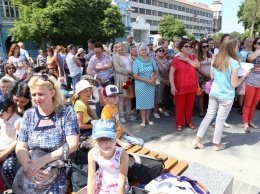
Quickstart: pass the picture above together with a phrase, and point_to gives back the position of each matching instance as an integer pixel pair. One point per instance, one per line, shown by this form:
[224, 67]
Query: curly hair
[12, 49]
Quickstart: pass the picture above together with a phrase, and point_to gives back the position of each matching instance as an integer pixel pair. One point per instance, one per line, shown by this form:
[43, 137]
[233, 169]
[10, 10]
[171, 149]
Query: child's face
[6, 114]
[91, 81]
[86, 93]
[112, 99]
[6, 87]
[106, 145]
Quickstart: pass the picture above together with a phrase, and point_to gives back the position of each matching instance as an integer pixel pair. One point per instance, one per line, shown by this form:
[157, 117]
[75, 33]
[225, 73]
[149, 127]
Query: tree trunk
[252, 28]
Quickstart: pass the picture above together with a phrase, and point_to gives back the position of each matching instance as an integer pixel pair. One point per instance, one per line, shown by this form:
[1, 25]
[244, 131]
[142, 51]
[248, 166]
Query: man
[23, 52]
[216, 47]
[129, 44]
[151, 51]
[91, 43]
[211, 44]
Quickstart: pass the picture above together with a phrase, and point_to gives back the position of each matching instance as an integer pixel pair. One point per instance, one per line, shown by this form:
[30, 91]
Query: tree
[249, 15]
[237, 35]
[61, 21]
[170, 28]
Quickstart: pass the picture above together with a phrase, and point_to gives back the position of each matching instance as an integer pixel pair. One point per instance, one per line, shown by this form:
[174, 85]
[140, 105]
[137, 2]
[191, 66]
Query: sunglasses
[206, 46]
[161, 51]
[98, 53]
[45, 78]
[187, 46]
[11, 68]
[131, 38]
[258, 43]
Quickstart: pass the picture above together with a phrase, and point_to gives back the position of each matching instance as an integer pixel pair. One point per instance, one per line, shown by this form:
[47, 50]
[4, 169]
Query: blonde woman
[46, 127]
[224, 71]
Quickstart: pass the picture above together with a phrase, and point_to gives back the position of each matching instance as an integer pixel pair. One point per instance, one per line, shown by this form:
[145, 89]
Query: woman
[163, 67]
[9, 72]
[80, 55]
[194, 48]
[176, 45]
[17, 60]
[252, 95]
[134, 55]
[28, 74]
[99, 68]
[46, 127]
[145, 73]
[224, 71]
[21, 96]
[122, 65]
[52, 63]
[169, 53]
[184, 84]
[74, 65]
[41, 60]
[205, 59]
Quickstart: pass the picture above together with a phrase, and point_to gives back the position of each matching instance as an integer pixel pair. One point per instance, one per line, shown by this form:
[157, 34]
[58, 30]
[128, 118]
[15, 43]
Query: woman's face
[10, 70]
[42, 96]
[30, 74]
[143, 52]
[16, 50]
[257, 45]
[120, 49]
[249, 42]
[176, 43]
[98, 52]
[160, 52]
[186, 48]
[21, 102]
[49, 53]
[205, 47]
[165, 44]
[73, 50]
[134, 52]
[6, 88]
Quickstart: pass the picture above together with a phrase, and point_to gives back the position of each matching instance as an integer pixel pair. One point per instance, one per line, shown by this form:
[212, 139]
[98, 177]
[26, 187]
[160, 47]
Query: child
[124, 138]
[8, 121]
[80, 103]
[6, 85]
[95, 96]
[111, 177]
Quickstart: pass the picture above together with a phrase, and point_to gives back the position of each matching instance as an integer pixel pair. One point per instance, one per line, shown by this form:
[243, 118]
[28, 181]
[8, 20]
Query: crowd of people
[47, 103]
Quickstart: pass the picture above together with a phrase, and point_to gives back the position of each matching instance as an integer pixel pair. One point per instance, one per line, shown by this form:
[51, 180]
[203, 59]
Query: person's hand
[173, 90]
[102, 81]
[35, 165]
[2, 156]
[151, 81]
[126, 146]
[246, 73]
[97, 68]
[41, 176]
[182, 58]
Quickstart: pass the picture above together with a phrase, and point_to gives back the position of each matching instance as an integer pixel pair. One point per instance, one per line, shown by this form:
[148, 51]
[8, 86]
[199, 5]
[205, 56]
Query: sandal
[151, 123]
[218, 148]
[191, 126]
[246, 128]
[179, 128]
[198, 145]
[142, 125]
[250, 124]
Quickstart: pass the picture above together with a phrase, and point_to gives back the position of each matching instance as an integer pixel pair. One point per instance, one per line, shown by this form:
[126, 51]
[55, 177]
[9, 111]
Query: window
[10, 11]
[160, 4]
[183, 8]
[183, 17]
[194, 11]
[179, 8]
[133, 20]
[175, 16]
[170, 6]
[207, 15]
[160, 13]
[187, 18]
[155, 3]
[155, 23]
[191, 18]
[148, 12]
[166, 5]
[179, 17]
[187, 10]
[191, 10]
[135, 0]
[149, 2]
[154, 12]
[2, 10]
[149, 22]
[141, 1]
[203, 13]
[135, 9]
[141, 10]
[175, 7]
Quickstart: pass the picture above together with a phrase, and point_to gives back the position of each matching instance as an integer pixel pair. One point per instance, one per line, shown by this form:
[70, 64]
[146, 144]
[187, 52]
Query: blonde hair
[51, 83]
[226, 51]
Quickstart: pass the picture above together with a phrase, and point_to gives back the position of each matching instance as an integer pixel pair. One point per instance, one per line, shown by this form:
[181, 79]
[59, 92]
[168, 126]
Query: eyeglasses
[187, 46]
[45, 78]
[131, 37]
[206, 46]
[43, 72]
[161, 51]
[98, 53]
[11, 68]
[258, 43]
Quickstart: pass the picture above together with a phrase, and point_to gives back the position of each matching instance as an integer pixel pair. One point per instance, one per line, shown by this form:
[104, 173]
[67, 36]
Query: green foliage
[170, 28]
[190, 36]
[61, 21]
[237, 35]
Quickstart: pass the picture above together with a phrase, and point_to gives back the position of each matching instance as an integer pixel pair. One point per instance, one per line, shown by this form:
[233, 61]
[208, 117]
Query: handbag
[208, 86]
[130, 92]
[77, 169]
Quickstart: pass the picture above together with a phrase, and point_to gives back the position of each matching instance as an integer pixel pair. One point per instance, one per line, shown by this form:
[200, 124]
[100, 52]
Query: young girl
[111, 177]
[81, 107]
[8, 123]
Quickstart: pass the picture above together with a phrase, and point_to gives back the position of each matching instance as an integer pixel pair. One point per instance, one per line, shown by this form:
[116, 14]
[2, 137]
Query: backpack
[142, 169]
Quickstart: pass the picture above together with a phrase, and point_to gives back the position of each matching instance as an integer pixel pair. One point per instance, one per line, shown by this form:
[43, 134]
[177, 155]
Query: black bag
[76, 169]
[144, 168]
[167, 101]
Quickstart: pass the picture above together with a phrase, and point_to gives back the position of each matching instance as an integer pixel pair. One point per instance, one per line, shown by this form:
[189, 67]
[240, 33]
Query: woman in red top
[184, 84]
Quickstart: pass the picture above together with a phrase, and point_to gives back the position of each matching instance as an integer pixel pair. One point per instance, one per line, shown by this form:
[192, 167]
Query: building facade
[8, 14]
[197, 18]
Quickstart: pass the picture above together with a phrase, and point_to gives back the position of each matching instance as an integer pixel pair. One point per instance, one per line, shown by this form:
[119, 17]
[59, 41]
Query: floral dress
[108, 173]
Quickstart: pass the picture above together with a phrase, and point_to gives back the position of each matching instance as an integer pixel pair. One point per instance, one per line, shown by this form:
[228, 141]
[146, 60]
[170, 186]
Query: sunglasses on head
[206, 46]
[186, 46]
[45, 78]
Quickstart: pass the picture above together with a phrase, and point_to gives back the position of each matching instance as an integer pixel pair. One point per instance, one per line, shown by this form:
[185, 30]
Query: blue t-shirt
[221, 87]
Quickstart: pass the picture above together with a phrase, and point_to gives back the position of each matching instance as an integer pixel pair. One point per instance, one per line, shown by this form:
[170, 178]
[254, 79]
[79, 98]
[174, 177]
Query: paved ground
[241, 158]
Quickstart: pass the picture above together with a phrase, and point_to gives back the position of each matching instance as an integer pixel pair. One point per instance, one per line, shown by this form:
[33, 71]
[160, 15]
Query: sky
[229, 14]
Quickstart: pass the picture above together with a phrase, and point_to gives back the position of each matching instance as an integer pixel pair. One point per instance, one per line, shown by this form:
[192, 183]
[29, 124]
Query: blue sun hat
[104, 128]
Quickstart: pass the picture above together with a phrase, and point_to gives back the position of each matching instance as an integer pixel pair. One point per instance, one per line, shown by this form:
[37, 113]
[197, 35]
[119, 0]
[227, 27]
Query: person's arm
[75, 59]
[211, 72]
[107, 66]
[195, 62]
[91, 171]
[80, 120]
[253, 55]
[235, 81]
[117, 67]
[22, 153]
[91, 113]
[171, 78]
[90, 69]
[9, 150]
[124, 160]
[58, 64]
[122, 144]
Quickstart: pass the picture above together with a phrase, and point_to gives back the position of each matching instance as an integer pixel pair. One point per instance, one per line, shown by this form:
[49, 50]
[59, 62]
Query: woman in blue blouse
[46, 127]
